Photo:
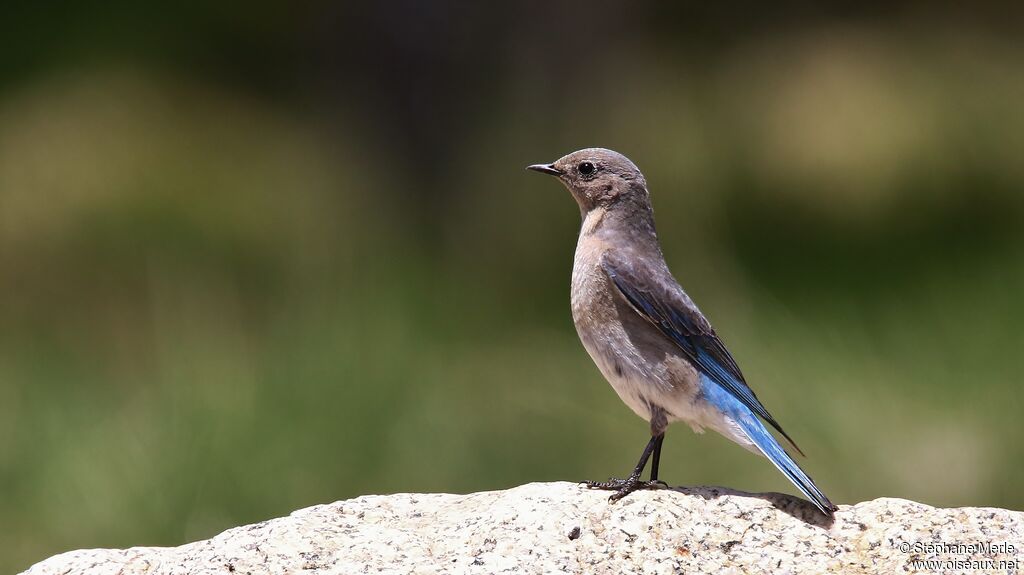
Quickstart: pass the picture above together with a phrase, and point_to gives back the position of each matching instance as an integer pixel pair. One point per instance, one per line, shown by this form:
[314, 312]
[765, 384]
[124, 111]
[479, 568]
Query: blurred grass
[213, 310]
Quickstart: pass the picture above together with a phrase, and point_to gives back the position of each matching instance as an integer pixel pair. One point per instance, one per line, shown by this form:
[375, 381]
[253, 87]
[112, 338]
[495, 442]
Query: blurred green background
[254, 259]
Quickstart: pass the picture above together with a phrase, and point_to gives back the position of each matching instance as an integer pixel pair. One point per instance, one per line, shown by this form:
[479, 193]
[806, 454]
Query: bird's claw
[623, 487]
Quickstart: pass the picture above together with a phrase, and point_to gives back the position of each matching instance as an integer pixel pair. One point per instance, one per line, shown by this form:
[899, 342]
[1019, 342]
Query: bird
[647, 337]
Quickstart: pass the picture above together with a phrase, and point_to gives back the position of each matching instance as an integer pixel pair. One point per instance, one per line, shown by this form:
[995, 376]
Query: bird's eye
[586, 168]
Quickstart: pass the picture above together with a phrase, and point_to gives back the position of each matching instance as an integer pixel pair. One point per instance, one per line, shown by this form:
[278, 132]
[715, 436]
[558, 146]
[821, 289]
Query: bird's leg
[659, 422]
[624, 487]
[656, 458]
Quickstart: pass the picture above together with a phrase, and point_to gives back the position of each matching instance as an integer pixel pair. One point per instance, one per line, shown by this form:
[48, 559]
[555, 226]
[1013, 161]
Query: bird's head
[598, 178]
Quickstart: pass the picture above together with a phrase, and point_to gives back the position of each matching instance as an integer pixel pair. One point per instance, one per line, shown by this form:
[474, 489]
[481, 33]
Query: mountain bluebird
[646, 336]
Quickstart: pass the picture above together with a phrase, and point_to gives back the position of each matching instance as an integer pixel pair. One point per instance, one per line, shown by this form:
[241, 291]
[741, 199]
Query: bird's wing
[656, 296]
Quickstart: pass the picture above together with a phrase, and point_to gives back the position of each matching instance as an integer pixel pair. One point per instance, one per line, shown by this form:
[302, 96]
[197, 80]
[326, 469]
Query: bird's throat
[592, 220]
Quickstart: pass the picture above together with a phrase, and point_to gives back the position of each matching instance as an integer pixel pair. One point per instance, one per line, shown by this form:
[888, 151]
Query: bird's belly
[633, 388]
[668, 386]
[644, 368]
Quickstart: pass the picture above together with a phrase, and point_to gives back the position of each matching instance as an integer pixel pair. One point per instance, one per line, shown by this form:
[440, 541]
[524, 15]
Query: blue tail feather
[765, 442]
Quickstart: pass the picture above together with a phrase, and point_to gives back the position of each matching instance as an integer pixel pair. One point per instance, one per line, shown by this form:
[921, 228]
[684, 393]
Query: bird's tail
[765, 442]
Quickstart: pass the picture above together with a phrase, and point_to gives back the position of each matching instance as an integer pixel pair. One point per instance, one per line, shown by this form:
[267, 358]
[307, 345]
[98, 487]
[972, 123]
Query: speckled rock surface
[562, 527]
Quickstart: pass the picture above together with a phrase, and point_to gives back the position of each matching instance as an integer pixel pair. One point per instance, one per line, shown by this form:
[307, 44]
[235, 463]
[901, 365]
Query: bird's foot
[623, 487]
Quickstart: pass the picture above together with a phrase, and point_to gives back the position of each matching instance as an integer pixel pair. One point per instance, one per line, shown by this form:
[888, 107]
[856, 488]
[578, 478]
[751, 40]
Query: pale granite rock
[562, 527]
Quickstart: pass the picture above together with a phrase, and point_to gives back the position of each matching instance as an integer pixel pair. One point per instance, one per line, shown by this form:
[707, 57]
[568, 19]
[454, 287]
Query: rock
[562, 527]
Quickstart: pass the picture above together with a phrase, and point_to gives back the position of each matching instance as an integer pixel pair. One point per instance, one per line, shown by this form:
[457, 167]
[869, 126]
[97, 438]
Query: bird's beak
[545, 169]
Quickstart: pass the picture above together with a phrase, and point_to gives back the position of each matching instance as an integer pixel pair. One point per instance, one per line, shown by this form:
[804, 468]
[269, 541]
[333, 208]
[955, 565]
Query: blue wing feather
[666, 306]
[765, 443]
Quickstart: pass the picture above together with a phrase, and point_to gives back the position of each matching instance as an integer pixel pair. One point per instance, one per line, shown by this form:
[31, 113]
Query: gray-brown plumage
[646, 336]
